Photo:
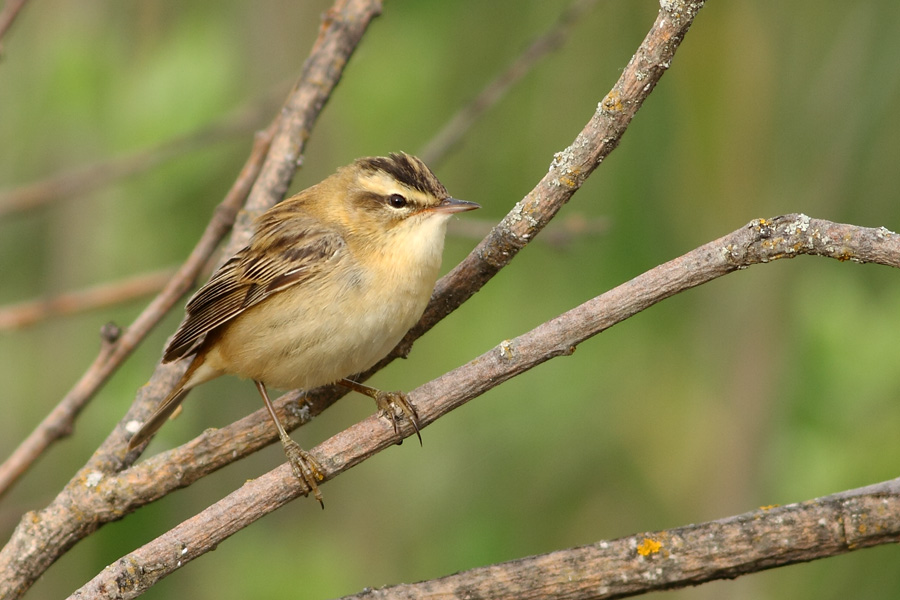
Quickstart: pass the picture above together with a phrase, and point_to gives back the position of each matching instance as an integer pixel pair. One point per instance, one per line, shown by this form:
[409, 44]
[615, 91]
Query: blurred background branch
[60, 421]
[559, 234]
[88, 178]
[8, 15]
[107, 294]
[456, 128]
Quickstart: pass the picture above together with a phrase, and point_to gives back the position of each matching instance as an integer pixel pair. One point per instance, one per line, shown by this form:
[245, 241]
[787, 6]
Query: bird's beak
[454, 205]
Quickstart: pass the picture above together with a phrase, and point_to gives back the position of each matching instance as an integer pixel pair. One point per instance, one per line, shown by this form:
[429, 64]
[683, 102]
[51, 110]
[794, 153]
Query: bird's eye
[397, 201]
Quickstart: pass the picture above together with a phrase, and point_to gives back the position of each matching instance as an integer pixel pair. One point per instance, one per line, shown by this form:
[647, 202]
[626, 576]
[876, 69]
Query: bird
[330, 281]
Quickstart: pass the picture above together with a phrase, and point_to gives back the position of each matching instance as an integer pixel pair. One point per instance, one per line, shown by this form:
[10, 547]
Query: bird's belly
[291, 342]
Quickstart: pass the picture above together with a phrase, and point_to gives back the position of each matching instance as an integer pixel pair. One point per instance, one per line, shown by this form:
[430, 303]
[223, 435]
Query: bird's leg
[389, 403]
[306, 468]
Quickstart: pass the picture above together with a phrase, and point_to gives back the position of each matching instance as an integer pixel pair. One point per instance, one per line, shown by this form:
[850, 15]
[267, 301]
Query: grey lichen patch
[518, 213]
[93, 479]
[729, 253]
[798, 225]
[566, 174]
[300, 410]
[680, 9]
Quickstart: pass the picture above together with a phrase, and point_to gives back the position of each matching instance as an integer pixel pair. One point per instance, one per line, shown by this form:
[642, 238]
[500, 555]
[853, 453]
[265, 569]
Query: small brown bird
[331, 281]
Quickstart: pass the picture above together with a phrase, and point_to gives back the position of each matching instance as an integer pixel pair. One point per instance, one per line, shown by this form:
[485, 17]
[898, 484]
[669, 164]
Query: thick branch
[681, 557]
[761, 241]
[568, 171]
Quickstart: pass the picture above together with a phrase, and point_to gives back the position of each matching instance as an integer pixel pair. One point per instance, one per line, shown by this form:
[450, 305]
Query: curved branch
[54, 528]
[681, 557]
[762, 241]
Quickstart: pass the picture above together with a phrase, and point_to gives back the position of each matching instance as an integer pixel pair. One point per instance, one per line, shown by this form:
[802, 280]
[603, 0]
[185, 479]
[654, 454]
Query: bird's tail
[168, 406]
[165, 410]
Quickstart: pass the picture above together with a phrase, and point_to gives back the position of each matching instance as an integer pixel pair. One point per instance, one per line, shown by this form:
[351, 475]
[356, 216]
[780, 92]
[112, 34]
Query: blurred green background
[770, 386]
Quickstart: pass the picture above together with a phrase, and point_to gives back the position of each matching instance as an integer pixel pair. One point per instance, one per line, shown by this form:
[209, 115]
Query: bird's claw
[305, 468]
[394, 404]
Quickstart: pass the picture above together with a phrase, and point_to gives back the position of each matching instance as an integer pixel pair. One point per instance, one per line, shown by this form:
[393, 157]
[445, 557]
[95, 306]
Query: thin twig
[451, 134]
[41, 538]
[762, 241]
[680, 557]
[24, 314]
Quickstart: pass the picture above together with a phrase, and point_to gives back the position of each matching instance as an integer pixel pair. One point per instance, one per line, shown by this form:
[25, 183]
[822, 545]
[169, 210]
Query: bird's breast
[328, 327]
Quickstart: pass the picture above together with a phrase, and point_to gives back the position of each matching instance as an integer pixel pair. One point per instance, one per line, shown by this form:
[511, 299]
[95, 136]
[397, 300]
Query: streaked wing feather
[293, 255]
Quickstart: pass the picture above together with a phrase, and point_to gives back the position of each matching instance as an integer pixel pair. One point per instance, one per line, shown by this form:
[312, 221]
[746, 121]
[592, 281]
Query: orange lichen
[612, 102]
[648, 547]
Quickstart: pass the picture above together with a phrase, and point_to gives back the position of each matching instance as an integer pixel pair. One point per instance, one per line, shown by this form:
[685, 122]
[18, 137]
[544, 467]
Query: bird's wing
[284, 252]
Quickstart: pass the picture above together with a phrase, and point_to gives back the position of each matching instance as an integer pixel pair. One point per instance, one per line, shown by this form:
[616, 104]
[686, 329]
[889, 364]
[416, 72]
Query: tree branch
[209, 452]
[568, 171]
[759, 242]
[681, 557]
